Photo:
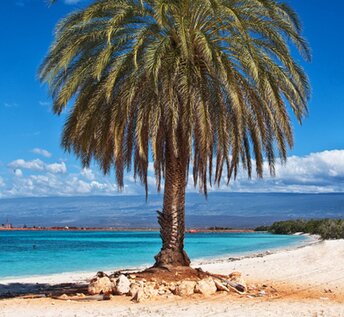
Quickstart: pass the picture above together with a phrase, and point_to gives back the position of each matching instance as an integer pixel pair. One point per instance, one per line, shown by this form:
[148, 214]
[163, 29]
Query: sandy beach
[309, 281]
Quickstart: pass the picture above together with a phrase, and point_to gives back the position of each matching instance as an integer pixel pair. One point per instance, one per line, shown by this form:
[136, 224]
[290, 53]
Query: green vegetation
[326, 228]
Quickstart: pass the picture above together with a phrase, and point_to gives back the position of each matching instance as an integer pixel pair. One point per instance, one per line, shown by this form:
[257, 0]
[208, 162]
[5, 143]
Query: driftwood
[237, 287]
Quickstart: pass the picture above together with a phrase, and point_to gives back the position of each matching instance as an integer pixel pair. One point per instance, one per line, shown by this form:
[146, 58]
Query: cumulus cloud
[314, 173]
[56, 168]
[38, 165]
[42, 152]
[56, 185]
[18, 172]
[87, 173]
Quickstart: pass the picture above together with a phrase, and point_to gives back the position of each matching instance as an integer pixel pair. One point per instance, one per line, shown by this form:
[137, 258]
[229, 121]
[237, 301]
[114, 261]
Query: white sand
[303, 276]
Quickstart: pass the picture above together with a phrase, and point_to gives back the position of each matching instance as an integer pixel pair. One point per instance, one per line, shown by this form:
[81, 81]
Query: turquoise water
[26, 253]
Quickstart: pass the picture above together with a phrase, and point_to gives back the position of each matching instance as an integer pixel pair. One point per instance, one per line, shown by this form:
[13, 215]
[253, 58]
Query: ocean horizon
[25, 253]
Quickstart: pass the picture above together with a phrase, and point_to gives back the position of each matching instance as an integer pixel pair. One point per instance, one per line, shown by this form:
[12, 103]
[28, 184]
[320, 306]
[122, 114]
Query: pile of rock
[140, 289]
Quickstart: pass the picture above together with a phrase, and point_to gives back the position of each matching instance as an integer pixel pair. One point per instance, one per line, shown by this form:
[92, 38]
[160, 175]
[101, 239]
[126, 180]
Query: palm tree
[207, 84]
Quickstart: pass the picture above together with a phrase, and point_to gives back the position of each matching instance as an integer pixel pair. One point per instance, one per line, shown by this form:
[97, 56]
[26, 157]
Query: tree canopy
[216, 78]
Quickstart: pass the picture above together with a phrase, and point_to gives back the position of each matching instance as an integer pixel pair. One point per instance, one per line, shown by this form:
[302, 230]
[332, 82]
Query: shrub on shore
[326, 228]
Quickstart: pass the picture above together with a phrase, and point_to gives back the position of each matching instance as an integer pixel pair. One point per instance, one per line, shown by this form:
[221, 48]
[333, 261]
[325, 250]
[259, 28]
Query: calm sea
[27, 253]
[48, 252]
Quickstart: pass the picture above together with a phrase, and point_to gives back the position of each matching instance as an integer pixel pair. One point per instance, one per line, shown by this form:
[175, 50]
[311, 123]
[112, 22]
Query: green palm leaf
[210, 83]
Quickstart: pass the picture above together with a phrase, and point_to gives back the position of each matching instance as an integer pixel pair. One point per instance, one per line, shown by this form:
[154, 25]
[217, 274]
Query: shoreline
[302, 282]
[81, 277]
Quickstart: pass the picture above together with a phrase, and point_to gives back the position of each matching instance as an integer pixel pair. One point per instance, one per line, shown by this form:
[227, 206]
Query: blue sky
[32, 162]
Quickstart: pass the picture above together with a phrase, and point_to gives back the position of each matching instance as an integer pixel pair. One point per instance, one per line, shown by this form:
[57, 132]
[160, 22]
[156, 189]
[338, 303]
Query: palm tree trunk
[172, 218]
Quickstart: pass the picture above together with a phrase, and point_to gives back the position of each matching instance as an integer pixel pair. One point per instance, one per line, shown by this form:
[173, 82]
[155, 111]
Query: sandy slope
[309, 280]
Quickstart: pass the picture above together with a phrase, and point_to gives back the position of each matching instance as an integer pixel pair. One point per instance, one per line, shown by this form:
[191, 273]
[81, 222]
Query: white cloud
[38, 165]
[18, 172]
[56, 168]
[314, 173]
[50, 184]
[42, 152]
[87, 173]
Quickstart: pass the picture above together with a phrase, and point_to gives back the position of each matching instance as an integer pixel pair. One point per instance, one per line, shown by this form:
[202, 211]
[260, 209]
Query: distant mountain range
[235, 210]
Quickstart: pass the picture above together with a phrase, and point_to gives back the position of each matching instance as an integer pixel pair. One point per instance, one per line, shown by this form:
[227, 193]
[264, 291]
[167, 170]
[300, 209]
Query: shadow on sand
[40, 290]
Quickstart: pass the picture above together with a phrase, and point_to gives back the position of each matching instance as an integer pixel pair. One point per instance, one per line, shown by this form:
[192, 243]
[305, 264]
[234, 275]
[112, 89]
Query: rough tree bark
[172, 218]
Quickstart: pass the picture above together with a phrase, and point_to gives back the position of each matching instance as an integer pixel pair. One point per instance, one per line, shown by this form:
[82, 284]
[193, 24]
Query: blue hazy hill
[235, 210]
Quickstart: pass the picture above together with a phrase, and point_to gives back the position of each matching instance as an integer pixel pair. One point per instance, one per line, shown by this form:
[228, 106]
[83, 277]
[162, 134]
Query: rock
[106, 296]
[206, 286]
[185, 288]
[220, 287]
[150, 291]
[101, 284]
[139, 296]
[63, 296]
[172, 288]
[122, 285]
[133, 289]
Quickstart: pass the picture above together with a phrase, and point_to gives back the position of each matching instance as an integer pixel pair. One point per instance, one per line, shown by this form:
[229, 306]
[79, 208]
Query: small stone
[63, 296]
[172, 288]
[139, 296]
[185, 288]
[150, 292]
[133, 289]
[101, 284]
[206, 286]
[122, 285]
